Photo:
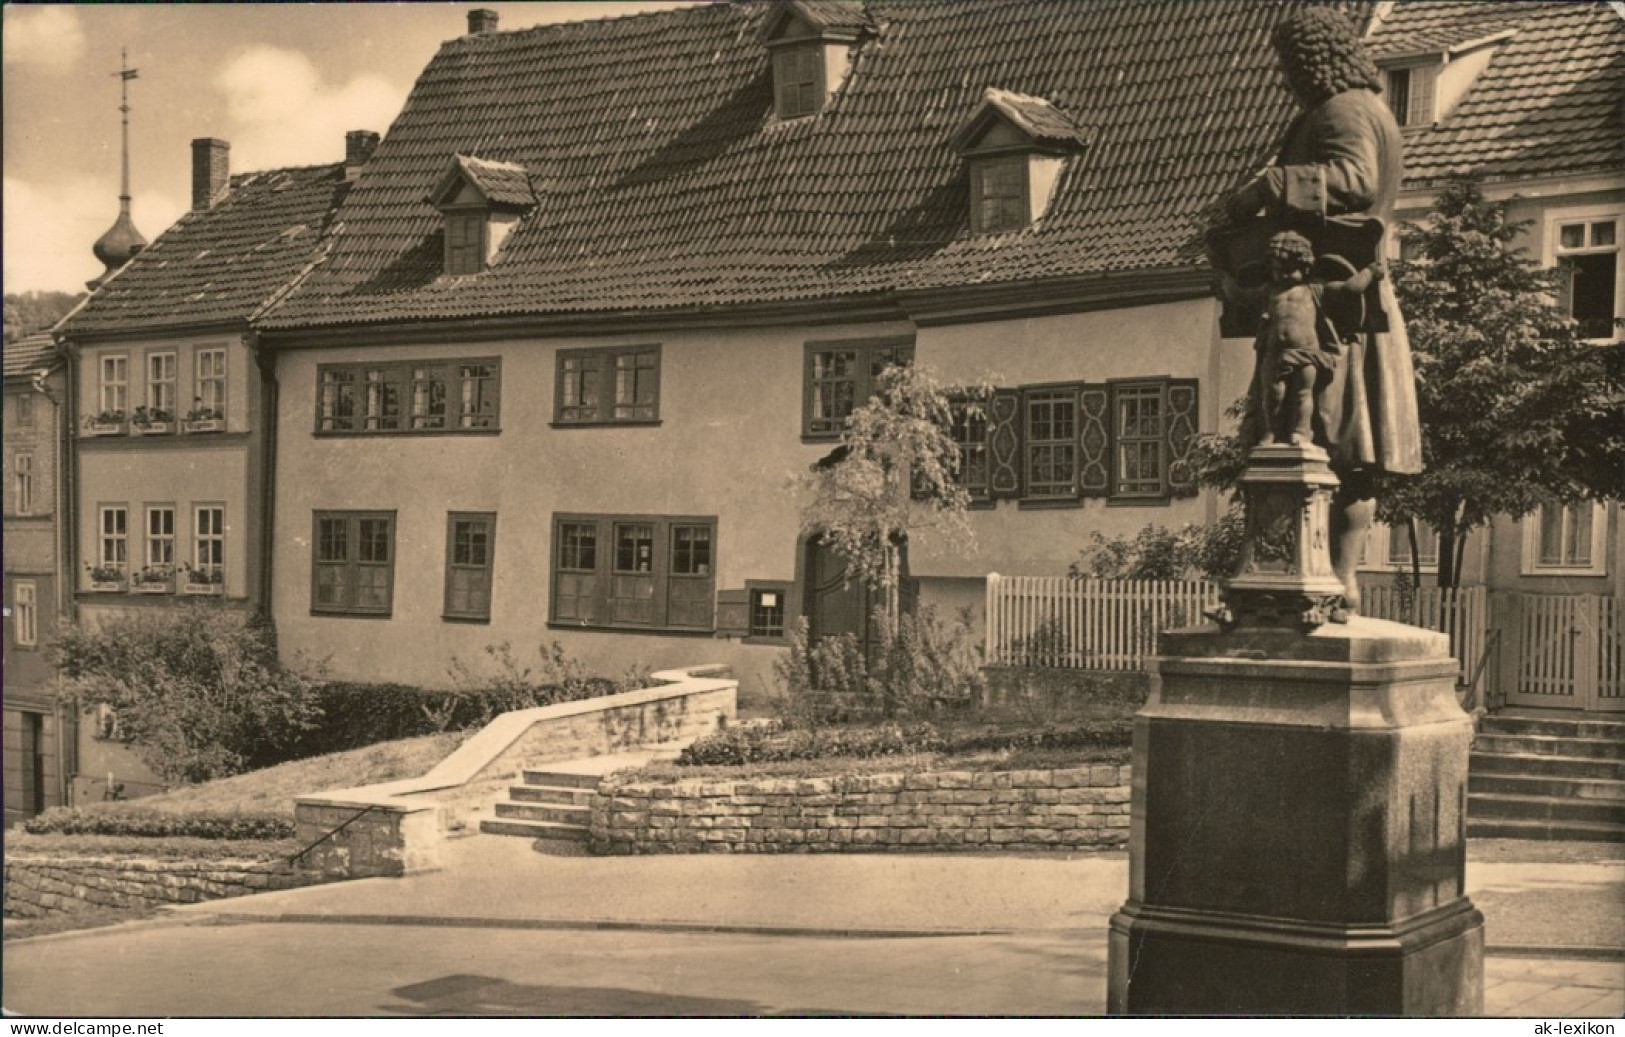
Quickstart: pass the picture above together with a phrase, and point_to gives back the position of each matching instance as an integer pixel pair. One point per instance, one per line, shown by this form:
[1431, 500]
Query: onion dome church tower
[122, 241]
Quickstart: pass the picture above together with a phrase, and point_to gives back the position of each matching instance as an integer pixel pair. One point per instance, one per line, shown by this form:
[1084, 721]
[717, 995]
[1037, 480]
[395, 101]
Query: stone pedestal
[1298, 842]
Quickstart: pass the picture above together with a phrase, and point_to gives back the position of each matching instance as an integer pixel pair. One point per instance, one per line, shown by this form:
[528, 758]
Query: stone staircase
[1547, 778]
[552, 806]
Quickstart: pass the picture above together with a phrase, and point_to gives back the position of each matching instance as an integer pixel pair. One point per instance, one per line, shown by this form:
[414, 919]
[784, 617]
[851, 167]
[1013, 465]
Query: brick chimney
[481, 20]
[211, 171]
[358, 148]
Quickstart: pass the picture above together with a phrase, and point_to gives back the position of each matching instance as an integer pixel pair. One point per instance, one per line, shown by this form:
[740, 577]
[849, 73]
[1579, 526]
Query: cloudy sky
[281, 82]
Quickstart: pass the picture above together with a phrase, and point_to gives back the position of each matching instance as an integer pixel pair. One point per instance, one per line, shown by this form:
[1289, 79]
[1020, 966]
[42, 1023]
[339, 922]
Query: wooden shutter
[1181, 430]
[733, 613]
[1094, 441]
[1004, 444]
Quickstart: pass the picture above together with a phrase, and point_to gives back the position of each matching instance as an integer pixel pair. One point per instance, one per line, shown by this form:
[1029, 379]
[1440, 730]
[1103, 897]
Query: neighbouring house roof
[1034, 116]
[1548, 104]
[503, 183]
[29, 354]
[664, 180]
[224, 263]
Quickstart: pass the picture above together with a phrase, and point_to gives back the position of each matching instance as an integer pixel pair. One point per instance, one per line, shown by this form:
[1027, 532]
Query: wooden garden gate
[1570, 653]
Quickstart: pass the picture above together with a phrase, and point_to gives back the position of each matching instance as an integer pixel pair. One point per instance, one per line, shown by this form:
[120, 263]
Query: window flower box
[154, 581]
[107, 423]
[210, 582]
[194, 426]
[153, 422]
[106, 579]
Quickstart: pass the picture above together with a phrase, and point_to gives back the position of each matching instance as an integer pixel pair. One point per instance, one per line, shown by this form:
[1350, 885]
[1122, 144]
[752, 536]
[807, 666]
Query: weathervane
[125, 74]
[122, 241]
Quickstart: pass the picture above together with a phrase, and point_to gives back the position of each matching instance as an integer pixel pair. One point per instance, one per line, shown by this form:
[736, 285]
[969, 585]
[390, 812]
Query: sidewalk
[1555, 931]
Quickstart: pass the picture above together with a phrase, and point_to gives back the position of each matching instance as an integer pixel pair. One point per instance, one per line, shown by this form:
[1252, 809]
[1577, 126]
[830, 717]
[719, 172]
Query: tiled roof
[1550, 102]
[29, 354]
[833, 15]
[1036, 117]
[502, 183]
[664, 179]
[224, 263]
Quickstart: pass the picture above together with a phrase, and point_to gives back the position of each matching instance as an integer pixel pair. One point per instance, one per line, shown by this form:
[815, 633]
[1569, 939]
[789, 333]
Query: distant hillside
[28, 312]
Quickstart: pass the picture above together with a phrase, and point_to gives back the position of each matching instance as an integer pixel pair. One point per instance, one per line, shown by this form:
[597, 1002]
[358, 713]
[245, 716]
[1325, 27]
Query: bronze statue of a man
[1335, 180]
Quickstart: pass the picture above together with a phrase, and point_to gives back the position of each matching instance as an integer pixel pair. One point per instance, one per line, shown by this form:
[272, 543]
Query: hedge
[156, 824]
[767, 744]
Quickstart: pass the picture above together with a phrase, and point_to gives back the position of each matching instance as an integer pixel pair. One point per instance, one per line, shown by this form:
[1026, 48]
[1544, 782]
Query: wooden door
[836, 604]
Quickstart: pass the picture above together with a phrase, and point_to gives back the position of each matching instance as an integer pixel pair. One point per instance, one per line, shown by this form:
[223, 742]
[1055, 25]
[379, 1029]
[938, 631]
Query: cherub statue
[1300, 334]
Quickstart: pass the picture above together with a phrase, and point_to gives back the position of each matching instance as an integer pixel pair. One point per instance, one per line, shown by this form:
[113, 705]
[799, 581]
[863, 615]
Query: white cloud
[50, 228]
[282, 114]
[47, 37]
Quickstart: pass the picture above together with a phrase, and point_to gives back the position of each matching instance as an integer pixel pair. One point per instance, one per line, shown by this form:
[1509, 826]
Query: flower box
[153, 428]
[164, 586]
[106, 586]
[193, 427]
[104, 428]
[193, 585]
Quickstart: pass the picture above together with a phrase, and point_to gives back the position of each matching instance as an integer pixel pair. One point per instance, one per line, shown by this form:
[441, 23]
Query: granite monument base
[1299, 831]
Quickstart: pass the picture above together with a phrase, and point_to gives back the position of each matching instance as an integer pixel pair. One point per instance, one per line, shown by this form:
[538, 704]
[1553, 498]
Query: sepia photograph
[814, 509]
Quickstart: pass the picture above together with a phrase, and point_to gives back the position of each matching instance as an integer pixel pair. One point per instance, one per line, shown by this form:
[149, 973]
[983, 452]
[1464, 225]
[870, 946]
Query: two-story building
[172, 404]
[39, 727]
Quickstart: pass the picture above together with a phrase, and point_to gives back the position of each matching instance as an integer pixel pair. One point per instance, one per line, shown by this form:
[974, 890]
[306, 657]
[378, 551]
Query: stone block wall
[40, 884]
[382, 841]
[941, 811]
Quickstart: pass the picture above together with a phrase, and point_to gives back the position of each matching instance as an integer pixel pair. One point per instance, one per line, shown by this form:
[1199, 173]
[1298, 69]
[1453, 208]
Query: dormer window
[1015, 149]
[480, 201]
[1410, 94]
[1424, 79]
[811, 46]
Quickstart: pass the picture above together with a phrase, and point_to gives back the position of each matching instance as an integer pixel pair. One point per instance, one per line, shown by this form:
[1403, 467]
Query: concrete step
[562, 779]
[564, 815]
[1550, 745]
[1562, 727]
[1509, 828]
[1545, 808]
[541, 794]
[1596, 789]
[1574, 767]
[547, 830]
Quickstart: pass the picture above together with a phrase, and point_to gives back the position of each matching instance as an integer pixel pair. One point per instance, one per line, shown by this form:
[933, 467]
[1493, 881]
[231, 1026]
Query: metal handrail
[296, 858]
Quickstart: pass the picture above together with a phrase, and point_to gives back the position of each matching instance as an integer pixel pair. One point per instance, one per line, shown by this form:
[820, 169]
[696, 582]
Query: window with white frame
[209, 539]
[210, 401]
[22, 480]
[404, 397]
[160, 546]
[1410, 93]
[1565, 539]
[161, 386]
[115, 386]
[114, 540]
[24, 614]
[1585, 248]
[1387, 548]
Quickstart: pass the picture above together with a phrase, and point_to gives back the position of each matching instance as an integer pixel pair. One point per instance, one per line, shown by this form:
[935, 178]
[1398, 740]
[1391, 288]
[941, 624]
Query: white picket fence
[1090, 624]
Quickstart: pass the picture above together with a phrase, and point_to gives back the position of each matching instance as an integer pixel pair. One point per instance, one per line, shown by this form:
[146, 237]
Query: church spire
[122, 241]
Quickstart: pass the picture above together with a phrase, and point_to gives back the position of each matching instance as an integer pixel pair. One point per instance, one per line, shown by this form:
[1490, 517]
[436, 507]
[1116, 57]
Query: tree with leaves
[1517, 409]
[895, 476]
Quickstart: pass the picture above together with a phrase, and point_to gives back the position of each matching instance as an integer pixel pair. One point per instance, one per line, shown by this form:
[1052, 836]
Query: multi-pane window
[25, 614]
[115, 385]
[607, 386]
[634, 572]
[161, 385]
[429, 396]
[798, 79]
[211, 383]
[22, 478]
[1566, 536]
[465, 243]
[354, 563]
[1587, 253]
[160, 540]
[970, 436]
[999, 194]
[1399, 545]
[842, 376]
[114, 539]
[470, 543]
[1140, 436]
[767, 610]
[209, 539]
[1410, 94]
[1052, 443]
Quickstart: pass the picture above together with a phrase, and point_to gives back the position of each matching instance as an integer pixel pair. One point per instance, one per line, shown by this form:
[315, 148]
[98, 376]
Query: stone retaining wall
[38, 884]
[933, 812]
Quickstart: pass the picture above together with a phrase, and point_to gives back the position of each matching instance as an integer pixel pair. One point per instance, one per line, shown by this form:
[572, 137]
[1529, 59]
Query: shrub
[741, 745]
[556, 678]
[197, 690]
[156, 824]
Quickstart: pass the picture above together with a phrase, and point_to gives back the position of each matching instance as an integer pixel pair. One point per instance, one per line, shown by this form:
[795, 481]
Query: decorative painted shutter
[1094, 441]
[1004, 444]
[1181, 435]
